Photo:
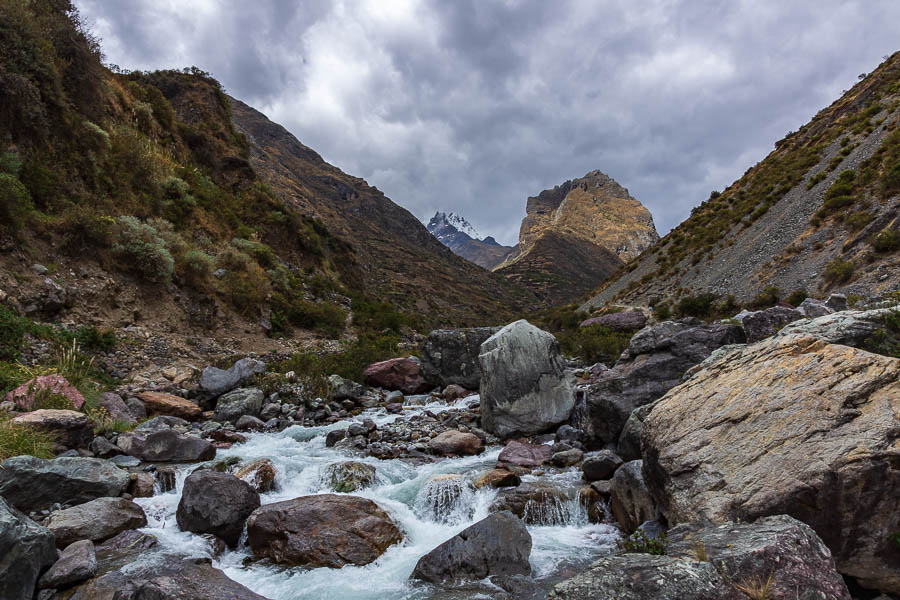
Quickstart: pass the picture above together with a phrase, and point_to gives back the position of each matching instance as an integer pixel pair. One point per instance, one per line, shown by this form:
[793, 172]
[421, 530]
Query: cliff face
[576, 235]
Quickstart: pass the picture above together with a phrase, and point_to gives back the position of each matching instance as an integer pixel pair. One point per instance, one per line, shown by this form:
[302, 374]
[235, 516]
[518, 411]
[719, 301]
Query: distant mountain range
[457, 233]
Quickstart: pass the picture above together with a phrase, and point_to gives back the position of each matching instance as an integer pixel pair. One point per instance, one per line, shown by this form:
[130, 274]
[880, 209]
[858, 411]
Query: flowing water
[430, 503]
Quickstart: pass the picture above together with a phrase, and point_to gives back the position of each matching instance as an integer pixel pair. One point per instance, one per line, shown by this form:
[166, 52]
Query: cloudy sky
[471, 106]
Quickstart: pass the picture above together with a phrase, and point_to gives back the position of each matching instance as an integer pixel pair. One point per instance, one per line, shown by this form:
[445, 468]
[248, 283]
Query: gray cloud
[472, 106]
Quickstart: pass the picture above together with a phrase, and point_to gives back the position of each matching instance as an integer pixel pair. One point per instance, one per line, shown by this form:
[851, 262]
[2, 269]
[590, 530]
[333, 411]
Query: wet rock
[525, 388]
[214, 381]
[130, 539]
[233, 405]
[324, 530]
[454, 392]
[497, 545]
[621, 321]
[225, 436]
[260, 474]
[456, 443]
[165, 478]
[116, 408]
[450, 356]
[537, 503]
[69, 427]
[498, 478]
[165, 446]
[96, 520]
[653, 363]
[523, 454]
[400, 374]
[216, 503]
[766, 323]
[76, 563]
[158, 403]
[757, 417]
[631, 502]
[26, 549]
[350, 476]
[126, 462]
[345, 389]
[31, 483]
[249, 423]
[566, 458]
[334, 436]
[143, 485]
[24, 395]
[600, 465]
[629, 446]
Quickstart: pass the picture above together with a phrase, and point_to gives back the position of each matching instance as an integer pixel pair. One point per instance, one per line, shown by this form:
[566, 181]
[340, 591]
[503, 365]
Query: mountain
[821, 213]
[576, 235]
[458, 234]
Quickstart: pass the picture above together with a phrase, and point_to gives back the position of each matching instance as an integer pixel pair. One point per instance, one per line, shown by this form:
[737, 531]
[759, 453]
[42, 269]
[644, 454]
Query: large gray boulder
[630, 500]
[790, 425]
[497, 545]
[26, 549]
[216, 503]
[525, 388]
[76, 563]
[715, 563]
[450, 356]
[31, 483]
[656, 358]
[766, 323]
[214, 381]
[96, 520]
[166, 445]
[235, 404]
[849, 327]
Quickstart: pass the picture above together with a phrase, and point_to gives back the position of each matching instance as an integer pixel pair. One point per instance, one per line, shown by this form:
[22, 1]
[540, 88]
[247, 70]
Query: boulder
[103, 448]
[850, 327]
[76, 563]
[116, 408]
[454, 392]
[567, 458]
[165, 446]
[26, 549]
[143, 485]
[525, 388]
[31, 483]
[837, 302]
[272, 410]
[260, 474]
[498, 478]
[756, 418]
[235, 404]
[214, 381]
[345, 389]
[653, 363]
[216, 503]
[161, 423]
[456, 443]
[600, 465]
[450, 356]
[812, 308]
[24, 395]
[324, 530]
[136, 408]
[523, 454]
[350, 476]
[249, 423]
[96, 520]
[538, 503]
[630, 500]
[158, 403]
[68, 427]
[400, 374]
[334, 436]
[629, 446]
[497, 545]
[620, 321]
[766, 323]
[130, 539]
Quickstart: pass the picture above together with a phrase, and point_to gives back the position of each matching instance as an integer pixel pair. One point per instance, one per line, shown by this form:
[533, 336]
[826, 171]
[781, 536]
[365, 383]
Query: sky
[472, 106]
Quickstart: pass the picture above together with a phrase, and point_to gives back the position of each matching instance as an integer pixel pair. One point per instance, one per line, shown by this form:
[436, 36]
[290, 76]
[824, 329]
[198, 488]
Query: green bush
[197, 266]
[12, 333]
[662, 311]
[46, 399]
[639, 543]
[886, 241]
[839, 271]
[143, 249]
[350, 362]
[840, 194]
[12, 375]
[102, 340]
[595, 343]
[700, 305]
[796, 297]
[769, 296]
[15, 201]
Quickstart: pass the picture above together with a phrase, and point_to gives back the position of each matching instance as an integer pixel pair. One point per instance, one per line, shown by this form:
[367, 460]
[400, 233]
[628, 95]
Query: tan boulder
[456, 443]
[68, 427]
[789, 425]
[259, 473]
[166, 404]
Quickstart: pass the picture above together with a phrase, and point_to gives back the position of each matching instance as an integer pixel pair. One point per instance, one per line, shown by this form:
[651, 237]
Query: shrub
[596, 343]
[144, 250]
[12, 375]
[44, 398]
[638, 542]
[839, 271]
[350, 362]
[662, 311]
[12, 333]
[886, 241]
[90, 337]
[858, 220]
[246, 289]
[15, 201]
[10, 163]
[769, 296]
[17, 440]
[840, 194]
[796, 297]
[696, 306]
[198, 266]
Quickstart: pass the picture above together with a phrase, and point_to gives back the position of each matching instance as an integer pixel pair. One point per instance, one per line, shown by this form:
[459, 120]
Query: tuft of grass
[700, 551]
[756, 588]
[639, 543]
[839, 271]
[17, 440]
[886, 241]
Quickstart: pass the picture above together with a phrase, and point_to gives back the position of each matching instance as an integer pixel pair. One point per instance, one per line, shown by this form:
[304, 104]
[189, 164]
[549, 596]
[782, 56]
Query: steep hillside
[819, 214]
[576, 235]
[457, 234]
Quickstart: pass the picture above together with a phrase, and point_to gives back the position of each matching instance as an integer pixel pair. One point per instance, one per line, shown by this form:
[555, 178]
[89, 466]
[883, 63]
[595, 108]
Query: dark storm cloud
[472, 106]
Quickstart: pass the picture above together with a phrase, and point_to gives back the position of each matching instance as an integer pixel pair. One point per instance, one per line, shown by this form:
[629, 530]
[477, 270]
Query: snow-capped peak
[441, 222]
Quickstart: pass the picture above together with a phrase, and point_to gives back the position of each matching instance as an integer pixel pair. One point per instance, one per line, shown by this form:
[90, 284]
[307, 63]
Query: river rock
[349, 476]
[631, 502]
[497, 545]
[324, 530]
[214, 381]
[653, 363]
[165, 446]
[849, 327]
[525, 388]
[498, 478]
[159, 403]
[113, 404]
[216, 503]
[620, 321]
[456, 443]
[345, 389]
[536, 503]
[136, 408]
[450, 356]
[756, 418]
[103, 448]
[567, 458]
[399, 374]
[31, 483]
[76, 563]
[143, 485]
[162, 423]
[812, 308]
[26, 549]
[600, 465]
[249, 423]
[523, 454]
[260, 474]
[68, 427]
[766, 323]
[24, 395]
[96, 520]
[130, 539]
[235, 404]
[334, 436]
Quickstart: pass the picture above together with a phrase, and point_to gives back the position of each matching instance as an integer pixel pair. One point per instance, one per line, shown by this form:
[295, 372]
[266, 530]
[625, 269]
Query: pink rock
[403, 374]
[23, 395]
[522, 454]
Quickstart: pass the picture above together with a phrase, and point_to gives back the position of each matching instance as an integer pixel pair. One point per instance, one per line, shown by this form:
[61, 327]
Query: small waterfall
[447, 499]
[556, 511]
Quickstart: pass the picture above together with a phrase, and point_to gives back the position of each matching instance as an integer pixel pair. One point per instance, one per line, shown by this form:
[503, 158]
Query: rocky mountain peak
[449, 224]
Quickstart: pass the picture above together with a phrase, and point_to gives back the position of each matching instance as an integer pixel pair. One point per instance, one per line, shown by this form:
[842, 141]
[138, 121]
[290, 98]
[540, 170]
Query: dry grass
[700, 551]
[16, 440]
[757, 589]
